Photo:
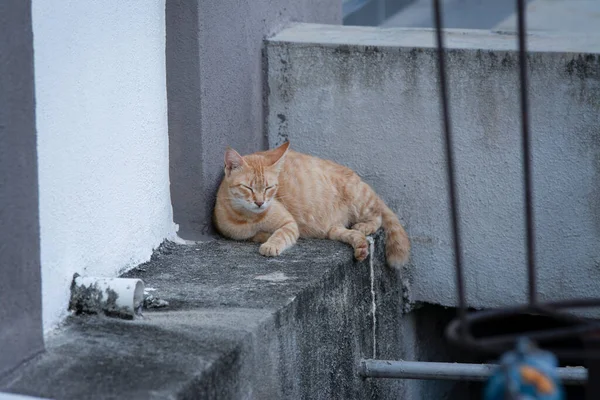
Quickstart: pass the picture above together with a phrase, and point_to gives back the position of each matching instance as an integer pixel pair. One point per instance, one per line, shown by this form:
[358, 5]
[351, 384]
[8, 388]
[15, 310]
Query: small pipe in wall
[450, 371]
[118, 297]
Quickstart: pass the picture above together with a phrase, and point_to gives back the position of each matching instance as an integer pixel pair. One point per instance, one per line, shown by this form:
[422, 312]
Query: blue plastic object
[526, 373]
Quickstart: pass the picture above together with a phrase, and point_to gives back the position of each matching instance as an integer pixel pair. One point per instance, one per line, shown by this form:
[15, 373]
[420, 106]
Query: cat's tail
[397, 244]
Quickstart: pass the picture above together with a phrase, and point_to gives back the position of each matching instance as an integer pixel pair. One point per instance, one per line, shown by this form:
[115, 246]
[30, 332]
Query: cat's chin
[252, 208]
[256, 210]
[242, 205]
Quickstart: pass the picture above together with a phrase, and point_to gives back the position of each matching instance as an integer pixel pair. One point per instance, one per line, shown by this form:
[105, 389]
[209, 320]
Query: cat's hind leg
[354, 238]
[369, 217]
[369, 226]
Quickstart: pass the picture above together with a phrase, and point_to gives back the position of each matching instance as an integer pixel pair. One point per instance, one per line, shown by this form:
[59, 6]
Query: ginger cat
[275, 196]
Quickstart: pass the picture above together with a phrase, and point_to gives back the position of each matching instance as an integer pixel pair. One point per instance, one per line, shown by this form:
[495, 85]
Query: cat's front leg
[282, 239]
[285, 231]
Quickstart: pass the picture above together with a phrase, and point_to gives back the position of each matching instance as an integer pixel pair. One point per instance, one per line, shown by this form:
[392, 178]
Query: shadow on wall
[20, 280]
[215, 91]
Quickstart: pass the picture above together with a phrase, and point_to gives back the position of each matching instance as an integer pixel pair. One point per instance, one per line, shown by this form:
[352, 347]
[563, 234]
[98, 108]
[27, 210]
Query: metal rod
[527, 156]
[453, 196]
[450, 371]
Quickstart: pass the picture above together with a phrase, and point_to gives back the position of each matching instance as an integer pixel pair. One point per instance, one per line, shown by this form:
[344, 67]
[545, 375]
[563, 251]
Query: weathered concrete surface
[558, 15]
[368, 98]
[241, 326]
[20, 275]
[215, 90]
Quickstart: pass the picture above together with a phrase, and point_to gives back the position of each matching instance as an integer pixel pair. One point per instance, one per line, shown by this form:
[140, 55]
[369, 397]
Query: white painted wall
[102, 139]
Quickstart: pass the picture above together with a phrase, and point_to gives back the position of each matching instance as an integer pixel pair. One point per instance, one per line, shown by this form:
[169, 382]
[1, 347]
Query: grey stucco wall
[368, 98]
[20, 286]
[215, 90]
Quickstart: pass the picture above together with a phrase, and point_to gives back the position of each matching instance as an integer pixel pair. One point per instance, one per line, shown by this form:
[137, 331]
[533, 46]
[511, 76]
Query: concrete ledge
[239, 326]
[325, 36]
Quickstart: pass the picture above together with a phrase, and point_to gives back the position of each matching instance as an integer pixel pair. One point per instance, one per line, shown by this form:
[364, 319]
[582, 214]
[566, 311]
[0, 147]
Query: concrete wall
[368, 98]
[20, 281]
[102, 143]
[215, 88]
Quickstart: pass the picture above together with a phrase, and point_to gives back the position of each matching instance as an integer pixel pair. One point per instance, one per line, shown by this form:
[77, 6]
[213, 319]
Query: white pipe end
[121, 297]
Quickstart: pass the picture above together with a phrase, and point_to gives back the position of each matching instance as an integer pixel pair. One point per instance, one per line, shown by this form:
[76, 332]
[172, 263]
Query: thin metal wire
[461, 330]
[527, 156]
[453, 196]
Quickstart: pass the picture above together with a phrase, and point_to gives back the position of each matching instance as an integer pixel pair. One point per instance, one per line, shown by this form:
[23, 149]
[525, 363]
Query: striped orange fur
[275, 196]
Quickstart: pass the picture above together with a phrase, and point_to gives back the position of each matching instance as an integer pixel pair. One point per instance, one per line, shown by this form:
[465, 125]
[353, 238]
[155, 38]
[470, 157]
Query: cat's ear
[278, 155]
[232, 160]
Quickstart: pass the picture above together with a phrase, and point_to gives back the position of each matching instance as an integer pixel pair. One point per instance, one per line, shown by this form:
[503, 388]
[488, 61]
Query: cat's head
[253, 179]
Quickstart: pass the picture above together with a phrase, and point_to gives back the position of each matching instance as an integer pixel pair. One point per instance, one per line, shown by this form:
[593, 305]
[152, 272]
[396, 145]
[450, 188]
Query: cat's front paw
[270, 249]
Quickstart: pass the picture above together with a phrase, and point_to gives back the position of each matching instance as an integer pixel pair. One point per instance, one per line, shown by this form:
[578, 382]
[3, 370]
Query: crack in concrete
[373, 303]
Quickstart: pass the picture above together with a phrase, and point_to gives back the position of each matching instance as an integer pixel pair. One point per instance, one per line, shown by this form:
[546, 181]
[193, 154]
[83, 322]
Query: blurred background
[466, 14]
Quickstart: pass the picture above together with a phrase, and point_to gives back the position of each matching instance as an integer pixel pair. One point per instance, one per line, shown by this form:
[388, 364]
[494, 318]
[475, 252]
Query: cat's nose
[259, 203]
